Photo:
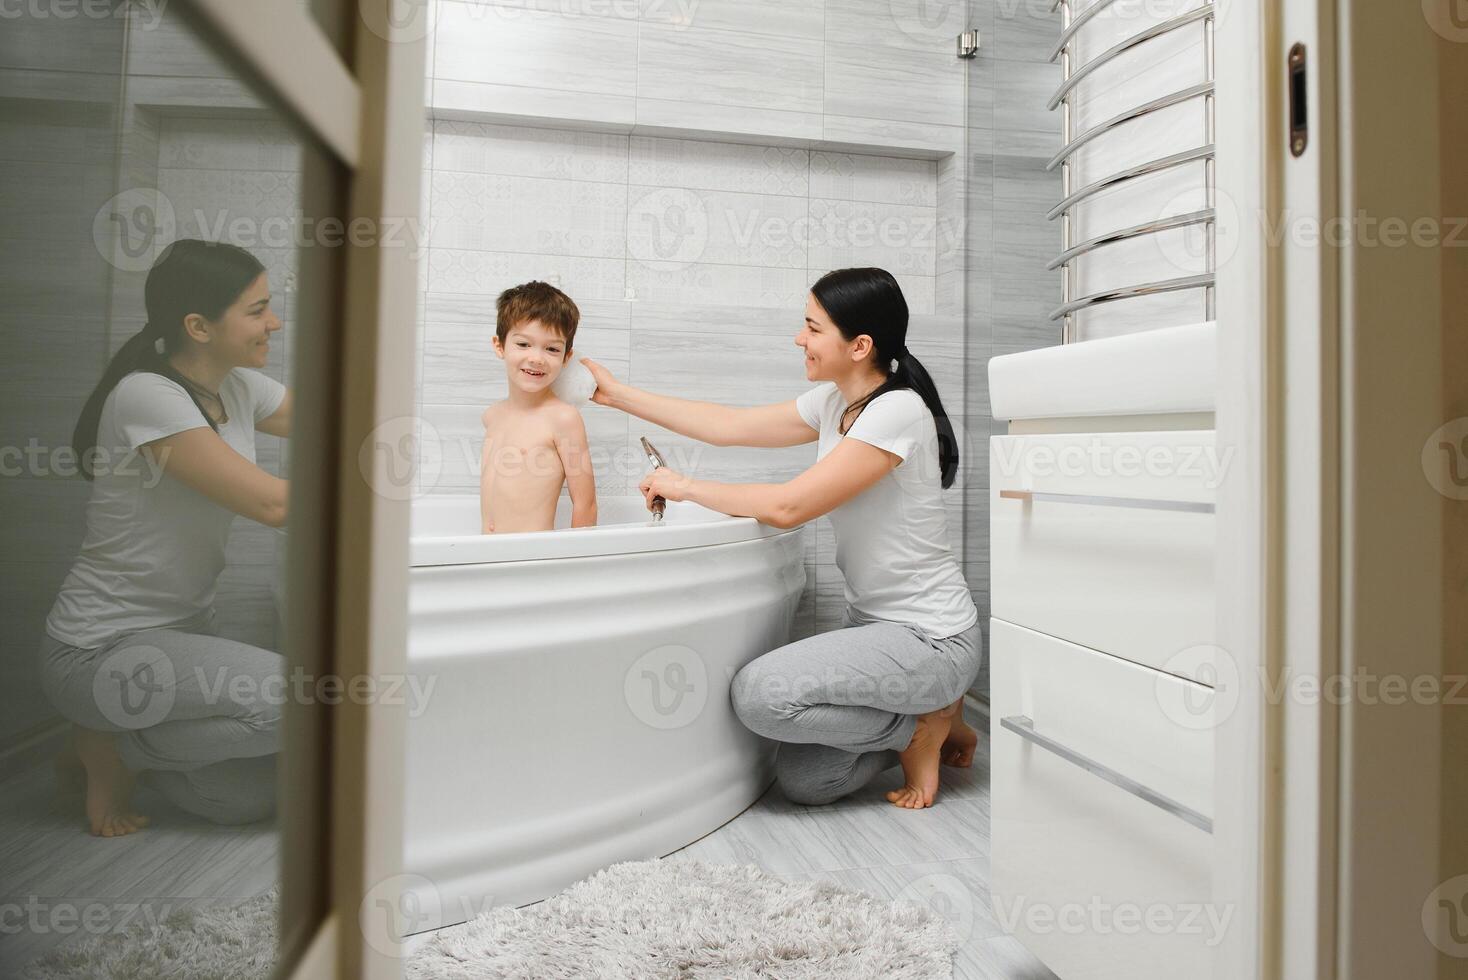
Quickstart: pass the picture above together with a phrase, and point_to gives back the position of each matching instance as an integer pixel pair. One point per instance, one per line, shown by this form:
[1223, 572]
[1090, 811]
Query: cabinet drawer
[1107, 540]
[1095, 878]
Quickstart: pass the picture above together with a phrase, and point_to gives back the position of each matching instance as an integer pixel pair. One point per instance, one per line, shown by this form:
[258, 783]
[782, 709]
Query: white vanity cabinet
[1101, 700]
[1105, 539]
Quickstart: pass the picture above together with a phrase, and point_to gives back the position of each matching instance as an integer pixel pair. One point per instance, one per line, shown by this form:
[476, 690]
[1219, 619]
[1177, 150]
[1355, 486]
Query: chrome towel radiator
[1073, 75]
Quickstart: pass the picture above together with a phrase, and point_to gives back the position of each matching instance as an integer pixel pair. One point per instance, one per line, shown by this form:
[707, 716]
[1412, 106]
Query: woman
[848, 704]
[131, 655]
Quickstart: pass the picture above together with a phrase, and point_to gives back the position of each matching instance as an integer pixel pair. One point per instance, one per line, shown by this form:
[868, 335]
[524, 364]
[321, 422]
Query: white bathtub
[555, 741]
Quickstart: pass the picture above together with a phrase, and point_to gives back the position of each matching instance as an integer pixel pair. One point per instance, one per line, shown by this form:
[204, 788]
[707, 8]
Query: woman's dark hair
[190, 276]
[869, 301]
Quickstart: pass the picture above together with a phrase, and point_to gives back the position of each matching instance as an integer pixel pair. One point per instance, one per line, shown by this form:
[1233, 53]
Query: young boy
[534, 443]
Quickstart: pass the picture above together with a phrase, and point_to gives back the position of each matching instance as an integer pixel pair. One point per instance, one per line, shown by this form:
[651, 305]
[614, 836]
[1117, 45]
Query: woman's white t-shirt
[154, 547]
[892, 538]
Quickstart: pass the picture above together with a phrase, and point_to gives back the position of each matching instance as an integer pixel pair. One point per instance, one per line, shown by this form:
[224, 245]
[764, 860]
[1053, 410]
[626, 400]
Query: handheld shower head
[656, 459]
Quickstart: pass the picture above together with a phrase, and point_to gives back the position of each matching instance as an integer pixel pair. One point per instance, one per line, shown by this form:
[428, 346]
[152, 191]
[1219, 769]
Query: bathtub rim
[608, 540]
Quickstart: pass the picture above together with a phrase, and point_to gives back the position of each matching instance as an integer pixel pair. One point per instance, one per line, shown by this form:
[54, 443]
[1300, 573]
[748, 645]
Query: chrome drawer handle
[1025, 729]
[1141, 503]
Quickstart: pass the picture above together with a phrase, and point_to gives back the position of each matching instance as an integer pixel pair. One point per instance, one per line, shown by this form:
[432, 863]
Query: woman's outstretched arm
[841, 474]
[718, 425]
[202, 460]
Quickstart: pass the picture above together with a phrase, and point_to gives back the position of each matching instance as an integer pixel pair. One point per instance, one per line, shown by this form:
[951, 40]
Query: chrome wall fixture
[1073, 75]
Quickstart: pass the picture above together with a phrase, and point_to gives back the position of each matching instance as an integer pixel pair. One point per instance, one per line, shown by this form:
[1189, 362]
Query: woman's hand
[663, 482]
[606, 385]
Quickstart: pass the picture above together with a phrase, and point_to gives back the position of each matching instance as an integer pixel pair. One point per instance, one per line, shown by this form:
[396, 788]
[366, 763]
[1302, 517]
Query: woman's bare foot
[920, 760]
[109, 786]
[71, 776]
[958, 747]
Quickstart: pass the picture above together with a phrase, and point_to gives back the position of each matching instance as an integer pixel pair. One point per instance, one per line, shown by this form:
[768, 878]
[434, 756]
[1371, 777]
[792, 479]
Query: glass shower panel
[1010, 137]
[124, 134]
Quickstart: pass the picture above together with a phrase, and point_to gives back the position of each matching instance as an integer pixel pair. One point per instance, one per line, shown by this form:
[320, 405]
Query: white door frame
[1330, 536]
[1247, 498]
[370, 114]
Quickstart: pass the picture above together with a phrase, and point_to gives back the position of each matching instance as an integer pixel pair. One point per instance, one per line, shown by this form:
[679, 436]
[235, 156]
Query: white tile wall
[722, 67]
[677, 221]
[803, 19]
[815, 72]
[512, 48]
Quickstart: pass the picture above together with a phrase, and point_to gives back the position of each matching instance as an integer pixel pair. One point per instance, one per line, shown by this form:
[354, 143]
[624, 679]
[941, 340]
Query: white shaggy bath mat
[216, 942]
[640, 920]
[673, 920]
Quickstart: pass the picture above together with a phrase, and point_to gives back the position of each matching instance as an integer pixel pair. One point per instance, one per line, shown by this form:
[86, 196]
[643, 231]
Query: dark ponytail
[869, 301]
[190, 276]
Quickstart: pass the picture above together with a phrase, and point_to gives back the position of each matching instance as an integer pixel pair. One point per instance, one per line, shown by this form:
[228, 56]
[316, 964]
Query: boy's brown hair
[541, 301]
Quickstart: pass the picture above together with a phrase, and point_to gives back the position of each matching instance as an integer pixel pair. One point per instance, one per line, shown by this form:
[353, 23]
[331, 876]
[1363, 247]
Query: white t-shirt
[892, 538]
[154, 547]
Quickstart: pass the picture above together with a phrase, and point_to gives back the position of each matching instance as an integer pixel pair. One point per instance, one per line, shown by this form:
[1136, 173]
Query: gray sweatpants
[198, 715]
[844, 703]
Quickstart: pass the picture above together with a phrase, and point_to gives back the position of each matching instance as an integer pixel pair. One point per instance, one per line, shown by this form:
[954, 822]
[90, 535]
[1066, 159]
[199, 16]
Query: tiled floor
[938, 856]
[60, 884]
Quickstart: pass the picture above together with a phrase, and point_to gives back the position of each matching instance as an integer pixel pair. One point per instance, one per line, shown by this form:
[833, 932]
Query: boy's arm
[575, 453]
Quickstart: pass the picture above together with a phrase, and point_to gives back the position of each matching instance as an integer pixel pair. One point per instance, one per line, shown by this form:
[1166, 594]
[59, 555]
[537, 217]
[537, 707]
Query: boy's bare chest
[510, 439]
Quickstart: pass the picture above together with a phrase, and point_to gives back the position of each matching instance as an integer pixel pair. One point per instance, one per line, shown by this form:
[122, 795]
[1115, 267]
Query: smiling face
[828, 355]
[241, 335]
[533, 354]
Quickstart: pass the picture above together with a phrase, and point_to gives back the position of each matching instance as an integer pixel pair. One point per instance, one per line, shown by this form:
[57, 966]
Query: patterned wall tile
[485, 148]
[719, 321]
[899, 238]
[677, 224]
[701, 164]
[677, 282]
[499, 213]
[886, 180]
[490, 273]
[730, 370]
[921, 293]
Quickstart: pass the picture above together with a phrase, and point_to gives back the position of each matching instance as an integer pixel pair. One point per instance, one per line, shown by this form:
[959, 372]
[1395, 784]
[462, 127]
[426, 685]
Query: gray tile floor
[938, 856]
[59, 884]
